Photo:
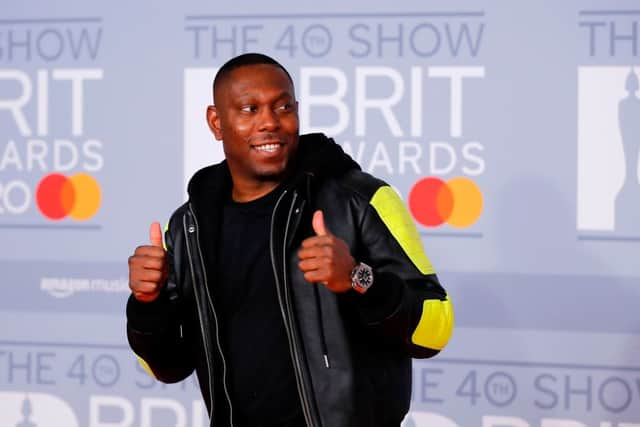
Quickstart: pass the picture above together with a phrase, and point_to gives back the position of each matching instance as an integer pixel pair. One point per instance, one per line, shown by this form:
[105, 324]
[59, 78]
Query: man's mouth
[267, 148]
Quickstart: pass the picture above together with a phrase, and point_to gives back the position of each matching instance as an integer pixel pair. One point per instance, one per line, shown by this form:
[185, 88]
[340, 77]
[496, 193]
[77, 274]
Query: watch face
[363, 276]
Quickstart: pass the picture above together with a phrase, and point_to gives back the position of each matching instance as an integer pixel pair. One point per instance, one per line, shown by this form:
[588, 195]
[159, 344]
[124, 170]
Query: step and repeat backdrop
[510, 129]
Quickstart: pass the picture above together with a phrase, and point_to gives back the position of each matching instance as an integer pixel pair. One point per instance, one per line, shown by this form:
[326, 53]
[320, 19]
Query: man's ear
[213, 120]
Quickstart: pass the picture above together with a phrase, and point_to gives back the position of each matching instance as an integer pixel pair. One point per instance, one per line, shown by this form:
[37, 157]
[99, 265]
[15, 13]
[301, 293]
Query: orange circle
[445, 202]
[88, 196]
[468, 202]
[67, 196]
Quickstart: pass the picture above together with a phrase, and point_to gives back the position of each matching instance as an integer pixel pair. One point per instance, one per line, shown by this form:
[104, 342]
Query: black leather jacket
[351, 352]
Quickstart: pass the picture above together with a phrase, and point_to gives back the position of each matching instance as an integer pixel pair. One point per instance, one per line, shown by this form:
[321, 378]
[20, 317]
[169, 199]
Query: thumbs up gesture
[325, 258]
[148, 267]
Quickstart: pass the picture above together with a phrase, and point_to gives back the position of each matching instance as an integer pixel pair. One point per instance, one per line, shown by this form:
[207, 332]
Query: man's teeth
[267, 147]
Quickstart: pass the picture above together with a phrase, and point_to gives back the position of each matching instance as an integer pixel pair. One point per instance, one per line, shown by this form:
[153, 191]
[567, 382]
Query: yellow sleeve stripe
[164, 242]
[436, 324]
[395, 216]
[145, 366]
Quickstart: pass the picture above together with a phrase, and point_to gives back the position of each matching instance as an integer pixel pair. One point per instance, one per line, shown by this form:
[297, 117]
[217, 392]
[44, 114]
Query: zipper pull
[326, 360]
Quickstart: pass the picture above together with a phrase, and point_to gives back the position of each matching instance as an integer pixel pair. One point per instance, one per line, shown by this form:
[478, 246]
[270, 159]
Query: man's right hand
[148, 267]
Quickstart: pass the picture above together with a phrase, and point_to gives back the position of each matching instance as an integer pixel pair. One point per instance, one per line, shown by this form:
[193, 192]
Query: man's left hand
[325, 258]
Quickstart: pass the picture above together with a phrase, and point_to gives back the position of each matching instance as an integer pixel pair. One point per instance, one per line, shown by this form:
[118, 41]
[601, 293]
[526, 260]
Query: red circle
[430, 201]
[49, 196]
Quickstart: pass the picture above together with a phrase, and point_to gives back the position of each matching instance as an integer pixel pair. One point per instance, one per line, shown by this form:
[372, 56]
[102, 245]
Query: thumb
[318, 224]
[155, 234]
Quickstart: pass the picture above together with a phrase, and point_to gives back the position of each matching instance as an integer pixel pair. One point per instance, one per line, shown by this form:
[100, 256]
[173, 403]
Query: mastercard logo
[457, 202]
[76, 196]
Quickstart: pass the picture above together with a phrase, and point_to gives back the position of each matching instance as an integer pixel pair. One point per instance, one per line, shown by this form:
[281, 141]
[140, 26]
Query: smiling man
[293, 283]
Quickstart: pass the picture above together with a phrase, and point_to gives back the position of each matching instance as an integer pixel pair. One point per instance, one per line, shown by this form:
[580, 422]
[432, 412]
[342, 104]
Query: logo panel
[48, 93]
[608, 148]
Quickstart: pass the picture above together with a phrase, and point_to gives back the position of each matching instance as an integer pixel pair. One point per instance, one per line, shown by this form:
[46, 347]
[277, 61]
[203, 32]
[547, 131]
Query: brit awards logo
[608, 187]
[608, 149]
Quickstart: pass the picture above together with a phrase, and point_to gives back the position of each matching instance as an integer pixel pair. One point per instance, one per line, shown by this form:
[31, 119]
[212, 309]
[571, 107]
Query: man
[292, 282]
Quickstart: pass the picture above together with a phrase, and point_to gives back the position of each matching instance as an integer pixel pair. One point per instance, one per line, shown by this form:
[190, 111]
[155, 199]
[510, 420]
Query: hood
[322, 156]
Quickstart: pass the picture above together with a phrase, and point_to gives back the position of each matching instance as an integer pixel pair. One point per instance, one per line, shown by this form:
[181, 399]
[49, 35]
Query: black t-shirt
[260, 371]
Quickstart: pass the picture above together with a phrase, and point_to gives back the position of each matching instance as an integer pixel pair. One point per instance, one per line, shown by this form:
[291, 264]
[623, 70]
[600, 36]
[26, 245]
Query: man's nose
[268, 120]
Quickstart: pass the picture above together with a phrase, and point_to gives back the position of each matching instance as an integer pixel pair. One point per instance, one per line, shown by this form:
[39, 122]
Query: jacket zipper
[286, 311]
[195, 228]
[323, 338]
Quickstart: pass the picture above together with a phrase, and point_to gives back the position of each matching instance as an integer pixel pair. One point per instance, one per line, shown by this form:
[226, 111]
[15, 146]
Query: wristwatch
[361, 277]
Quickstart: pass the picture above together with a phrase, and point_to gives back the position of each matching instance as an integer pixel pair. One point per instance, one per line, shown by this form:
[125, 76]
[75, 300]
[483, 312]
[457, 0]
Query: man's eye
[284, 107]
[248, 109]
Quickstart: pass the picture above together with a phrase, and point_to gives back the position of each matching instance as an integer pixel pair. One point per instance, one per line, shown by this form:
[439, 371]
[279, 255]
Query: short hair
[244, 60]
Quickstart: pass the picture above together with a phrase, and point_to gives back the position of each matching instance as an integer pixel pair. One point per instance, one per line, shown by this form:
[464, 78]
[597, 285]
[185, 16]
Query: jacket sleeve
[406, 302]
[154, 331]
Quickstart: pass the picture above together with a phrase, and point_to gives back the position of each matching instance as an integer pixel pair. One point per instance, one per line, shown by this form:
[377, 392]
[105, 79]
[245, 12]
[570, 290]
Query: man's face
[256, 117]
